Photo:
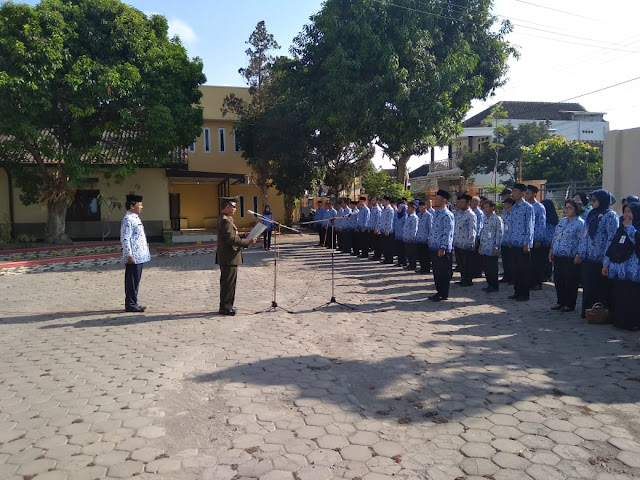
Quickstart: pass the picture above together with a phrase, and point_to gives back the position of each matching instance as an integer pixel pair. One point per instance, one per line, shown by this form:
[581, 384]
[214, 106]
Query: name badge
[623, 239]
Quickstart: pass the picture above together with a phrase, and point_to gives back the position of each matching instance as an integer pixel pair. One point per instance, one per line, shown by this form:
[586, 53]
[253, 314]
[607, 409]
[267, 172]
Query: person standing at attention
[267, 233]
[521, 225]
[440, 245]
[229, 256]
[135, 252]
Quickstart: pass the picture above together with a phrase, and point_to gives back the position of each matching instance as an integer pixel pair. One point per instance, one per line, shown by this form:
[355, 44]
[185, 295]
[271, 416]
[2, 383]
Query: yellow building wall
[151, 183]
[197, 202]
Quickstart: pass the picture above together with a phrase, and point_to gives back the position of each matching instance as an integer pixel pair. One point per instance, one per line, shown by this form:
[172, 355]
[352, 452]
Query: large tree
[89, 86]
[560, 160]
[505, 151]
[258, 75]
[401, 73]
[342, 163]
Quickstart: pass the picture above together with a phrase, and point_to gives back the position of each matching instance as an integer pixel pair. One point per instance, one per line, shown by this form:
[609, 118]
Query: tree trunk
[401, 166]
[56, 221]
[289, 204]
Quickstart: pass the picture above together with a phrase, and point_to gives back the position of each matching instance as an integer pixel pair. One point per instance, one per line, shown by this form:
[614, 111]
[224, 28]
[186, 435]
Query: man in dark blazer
[229, 256]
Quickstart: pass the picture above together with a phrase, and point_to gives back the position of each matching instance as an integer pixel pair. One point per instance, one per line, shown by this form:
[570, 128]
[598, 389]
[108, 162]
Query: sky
[568, 49]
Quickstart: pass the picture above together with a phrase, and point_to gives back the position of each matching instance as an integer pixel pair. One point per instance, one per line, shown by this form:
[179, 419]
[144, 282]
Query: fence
[559, 192]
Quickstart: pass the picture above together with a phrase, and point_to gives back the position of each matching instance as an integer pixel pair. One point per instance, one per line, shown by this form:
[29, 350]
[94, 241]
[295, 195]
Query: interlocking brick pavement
[475, 387]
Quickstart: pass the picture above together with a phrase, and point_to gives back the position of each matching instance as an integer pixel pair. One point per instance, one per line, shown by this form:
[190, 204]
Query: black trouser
[595, 286]
[355, 242]
[538, 261]
[490, 267]
[441, 272]
[411, 251]
[424, 257]
[624, 304]
[476, 264]
[329, 235]
[387, 243]
[339, 239]
[521, 271]
[132, 276]
[267, 239]
[547, 270]
[364, 244]
[347, 235]
[566, 277]
[465, 262]
[228, 278]
[321, 235]
[507, 263]
[399, 251]
[376, 242]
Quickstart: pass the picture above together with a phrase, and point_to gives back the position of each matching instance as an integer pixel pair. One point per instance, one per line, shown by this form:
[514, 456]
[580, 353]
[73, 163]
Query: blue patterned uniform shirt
[441, 235]
[465, 233]
[491, 235]
[374, 217]
[593, 249]
[398, 222]
[540, 222]
[630, 268]
[506, 235]
[480, 216]
[410, 228]
[319, 214]
[133, 239]
[567, 237]
[351, 221]
[363, 217]
[521, 225]
[385, 224]
[424, 227]
[549, 233]
[329, 214]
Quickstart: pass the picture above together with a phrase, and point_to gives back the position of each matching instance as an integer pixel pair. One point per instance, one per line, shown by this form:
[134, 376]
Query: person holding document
[229, 255]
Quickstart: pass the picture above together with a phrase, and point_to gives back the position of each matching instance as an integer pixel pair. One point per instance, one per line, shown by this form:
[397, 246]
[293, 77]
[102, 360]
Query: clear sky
[568, 48]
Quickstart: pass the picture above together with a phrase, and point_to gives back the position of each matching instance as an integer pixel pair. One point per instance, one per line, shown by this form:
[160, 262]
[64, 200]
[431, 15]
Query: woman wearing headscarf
[564, 255]
[267, 233]
[622, 267]
[601, 225]
[398, 225]
[550, 229]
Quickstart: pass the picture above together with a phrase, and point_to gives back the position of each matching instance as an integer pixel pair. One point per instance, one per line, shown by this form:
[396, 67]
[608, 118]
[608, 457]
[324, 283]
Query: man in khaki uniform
[229, 256]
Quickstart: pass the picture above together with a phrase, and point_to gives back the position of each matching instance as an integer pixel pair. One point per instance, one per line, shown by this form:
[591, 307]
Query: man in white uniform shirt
[135, 251]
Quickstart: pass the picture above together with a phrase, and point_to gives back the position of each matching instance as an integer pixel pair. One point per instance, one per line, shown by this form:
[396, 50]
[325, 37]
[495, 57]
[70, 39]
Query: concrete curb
[44, 261]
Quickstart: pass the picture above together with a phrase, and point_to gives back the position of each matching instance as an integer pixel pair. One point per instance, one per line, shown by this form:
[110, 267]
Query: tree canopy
[559, 160]
[401, 73]
[87, 86]
[378, 183]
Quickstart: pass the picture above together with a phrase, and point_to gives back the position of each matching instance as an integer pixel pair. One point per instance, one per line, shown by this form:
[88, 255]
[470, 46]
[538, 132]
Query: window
[207, 140]
[221, 139]
[236, 145]
[241, 202]
[85, 207]
[255, 203]
[192, 147]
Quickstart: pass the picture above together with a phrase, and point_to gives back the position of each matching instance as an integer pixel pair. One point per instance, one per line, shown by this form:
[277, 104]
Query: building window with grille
[255, 203]
[241, 205]
[192, 147]
[221, 139]
[85, 207]
[207, 140]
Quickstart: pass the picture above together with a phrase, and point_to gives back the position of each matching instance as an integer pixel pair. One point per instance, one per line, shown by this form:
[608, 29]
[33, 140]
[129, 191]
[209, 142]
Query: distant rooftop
[539, 111]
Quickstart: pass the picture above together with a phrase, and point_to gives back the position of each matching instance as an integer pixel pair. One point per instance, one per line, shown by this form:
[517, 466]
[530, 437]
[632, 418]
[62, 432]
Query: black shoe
[522, 298]
[364, 256]
[512, 297]
[231, 312]
[435, 298]
[431, 297]
[567, 309]
[134, 308]
[490, 289]
[439, 298]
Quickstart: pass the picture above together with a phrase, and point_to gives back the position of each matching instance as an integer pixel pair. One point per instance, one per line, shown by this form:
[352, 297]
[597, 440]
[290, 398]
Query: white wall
[621, 171]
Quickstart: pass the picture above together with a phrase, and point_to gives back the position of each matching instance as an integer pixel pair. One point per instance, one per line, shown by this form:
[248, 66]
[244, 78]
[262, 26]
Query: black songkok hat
[353, 202]
[444, 194]
[363, 198]
[509, 200]
[422, 203]
[465, 197]
[533, 188]
[506, 191]
[520, 186]
[387, 198]
[134, 198]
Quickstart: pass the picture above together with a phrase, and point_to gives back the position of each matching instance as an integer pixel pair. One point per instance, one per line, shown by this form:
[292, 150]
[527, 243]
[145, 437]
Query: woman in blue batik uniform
[601, 226]
[622, 266]
[565, 257]
[552, 222]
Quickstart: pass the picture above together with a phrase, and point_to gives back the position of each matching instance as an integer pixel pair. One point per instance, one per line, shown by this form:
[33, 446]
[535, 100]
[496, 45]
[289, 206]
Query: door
[174, 211]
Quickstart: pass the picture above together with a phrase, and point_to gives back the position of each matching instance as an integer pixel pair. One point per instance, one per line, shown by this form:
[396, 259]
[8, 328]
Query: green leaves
[558, 160]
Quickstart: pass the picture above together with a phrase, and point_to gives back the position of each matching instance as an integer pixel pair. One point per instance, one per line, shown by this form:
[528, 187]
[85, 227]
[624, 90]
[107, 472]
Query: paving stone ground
[473, 388]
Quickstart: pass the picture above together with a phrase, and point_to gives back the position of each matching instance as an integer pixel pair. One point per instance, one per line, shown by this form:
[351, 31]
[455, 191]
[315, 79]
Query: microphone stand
[274, 304]
[333, 295]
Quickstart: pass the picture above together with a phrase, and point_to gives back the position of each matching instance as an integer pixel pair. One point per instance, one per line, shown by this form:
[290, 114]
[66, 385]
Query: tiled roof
[114, 151]
[421, 171]
[529, 111]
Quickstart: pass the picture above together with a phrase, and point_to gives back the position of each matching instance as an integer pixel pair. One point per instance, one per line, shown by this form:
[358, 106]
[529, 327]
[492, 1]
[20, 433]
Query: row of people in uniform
[529, 237]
